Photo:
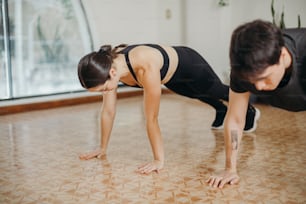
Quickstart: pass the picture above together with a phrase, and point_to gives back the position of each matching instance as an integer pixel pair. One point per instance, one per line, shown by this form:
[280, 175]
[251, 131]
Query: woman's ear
[112, 72]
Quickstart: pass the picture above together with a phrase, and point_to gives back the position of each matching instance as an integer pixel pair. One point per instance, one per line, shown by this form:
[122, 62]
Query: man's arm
[233, 129]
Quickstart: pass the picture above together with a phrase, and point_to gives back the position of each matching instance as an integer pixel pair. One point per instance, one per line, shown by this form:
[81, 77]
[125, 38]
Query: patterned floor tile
[39, 156]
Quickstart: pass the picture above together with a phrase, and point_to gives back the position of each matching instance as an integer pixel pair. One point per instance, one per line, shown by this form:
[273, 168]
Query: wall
[120, 21]
[209, 26]
[135, 21]
[243, 11]
[171, 21]
[200, 24]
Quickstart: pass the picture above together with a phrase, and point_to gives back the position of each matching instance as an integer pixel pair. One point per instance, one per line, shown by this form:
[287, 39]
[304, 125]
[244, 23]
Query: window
[41, 43]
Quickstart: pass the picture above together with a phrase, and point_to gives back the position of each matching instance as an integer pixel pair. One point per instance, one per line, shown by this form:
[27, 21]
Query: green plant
[281, 23]
[223, 3]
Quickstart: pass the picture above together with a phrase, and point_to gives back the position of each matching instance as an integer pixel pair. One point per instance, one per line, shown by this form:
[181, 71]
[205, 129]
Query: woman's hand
[98, 153]
[226, 177]
[156, 165]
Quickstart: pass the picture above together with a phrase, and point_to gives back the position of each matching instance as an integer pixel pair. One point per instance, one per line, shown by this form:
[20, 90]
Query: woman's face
[109, 85]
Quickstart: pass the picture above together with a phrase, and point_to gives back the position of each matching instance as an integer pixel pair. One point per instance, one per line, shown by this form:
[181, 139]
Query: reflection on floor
[39, 156]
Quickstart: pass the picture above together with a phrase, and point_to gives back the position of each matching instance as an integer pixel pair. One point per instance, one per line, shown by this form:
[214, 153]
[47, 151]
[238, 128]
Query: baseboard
[24, 105]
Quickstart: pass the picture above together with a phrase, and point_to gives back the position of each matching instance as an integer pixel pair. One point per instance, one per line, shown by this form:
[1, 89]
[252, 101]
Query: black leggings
[195, 78]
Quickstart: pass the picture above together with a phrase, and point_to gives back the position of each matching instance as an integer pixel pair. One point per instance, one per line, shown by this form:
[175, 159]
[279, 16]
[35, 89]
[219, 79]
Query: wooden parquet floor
[39, 156]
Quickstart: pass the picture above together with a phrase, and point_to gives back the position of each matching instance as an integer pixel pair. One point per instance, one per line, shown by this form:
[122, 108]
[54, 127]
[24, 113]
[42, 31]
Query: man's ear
[286, 56]
[284, 52]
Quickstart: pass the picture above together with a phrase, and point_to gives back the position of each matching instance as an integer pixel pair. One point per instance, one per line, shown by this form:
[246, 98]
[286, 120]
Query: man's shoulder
[296, 39]
[294, 32]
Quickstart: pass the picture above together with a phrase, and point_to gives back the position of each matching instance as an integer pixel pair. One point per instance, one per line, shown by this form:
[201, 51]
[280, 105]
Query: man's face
[270, 78]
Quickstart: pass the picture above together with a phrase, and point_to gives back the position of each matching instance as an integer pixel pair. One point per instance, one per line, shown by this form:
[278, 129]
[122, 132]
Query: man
[271, 63]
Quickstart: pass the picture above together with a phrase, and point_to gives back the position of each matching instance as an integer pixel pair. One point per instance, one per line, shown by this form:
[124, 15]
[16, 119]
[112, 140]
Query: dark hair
[254, 46]
[93, 68]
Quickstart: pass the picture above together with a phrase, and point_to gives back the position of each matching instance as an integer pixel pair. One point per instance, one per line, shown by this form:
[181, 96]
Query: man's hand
[98, 153]
[227, 177]
[149, 167]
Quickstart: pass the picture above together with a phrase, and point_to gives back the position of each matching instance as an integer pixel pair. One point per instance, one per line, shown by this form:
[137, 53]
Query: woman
[148, 66]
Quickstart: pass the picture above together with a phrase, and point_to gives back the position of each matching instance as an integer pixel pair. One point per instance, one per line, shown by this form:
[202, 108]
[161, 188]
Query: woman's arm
[150, 80]
[107, 116]
[233, 129]
[108, 113]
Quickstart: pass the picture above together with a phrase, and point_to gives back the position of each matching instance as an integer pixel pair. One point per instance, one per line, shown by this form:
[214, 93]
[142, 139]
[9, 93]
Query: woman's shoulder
[144, 50]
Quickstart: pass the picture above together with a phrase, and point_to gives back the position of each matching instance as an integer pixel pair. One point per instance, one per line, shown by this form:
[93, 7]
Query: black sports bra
[163, 70]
